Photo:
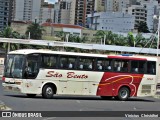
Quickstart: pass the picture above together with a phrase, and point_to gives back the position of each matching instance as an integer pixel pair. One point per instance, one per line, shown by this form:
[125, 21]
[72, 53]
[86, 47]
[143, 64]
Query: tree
[100, 35]
[35, 30]
[142, 27]
[62, 35]
[131, 40]
[111, 38]
[7, 32]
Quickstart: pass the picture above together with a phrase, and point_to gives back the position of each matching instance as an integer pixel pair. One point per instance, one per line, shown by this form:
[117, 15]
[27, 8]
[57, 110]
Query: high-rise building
[62, 11]
[116, 5]
[144, 12]
[73, 11]
[27, 10]
[5, 13]
[47, 13]
[99, 6]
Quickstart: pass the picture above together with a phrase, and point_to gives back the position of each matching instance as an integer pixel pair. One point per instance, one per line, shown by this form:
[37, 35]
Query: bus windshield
[14, 66]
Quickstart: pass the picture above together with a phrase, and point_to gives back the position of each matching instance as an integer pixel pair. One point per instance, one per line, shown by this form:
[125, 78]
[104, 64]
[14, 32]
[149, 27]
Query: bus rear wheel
[47, 92]
[123, 94]
[31, 95]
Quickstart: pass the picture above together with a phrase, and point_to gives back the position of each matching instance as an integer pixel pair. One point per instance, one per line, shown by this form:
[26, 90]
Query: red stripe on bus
[112, 82]
[126, 58]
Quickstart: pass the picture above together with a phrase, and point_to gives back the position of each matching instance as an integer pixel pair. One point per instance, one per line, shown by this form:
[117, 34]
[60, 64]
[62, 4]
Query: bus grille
[146, 88]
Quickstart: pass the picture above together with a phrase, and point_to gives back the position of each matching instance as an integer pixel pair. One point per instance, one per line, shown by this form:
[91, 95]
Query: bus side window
[104, 64]
[85, 63]
[71, 62]
[117, 65]
[138, 66]
[134, 66]
[63, 62]
[151, 67]
[49, 61]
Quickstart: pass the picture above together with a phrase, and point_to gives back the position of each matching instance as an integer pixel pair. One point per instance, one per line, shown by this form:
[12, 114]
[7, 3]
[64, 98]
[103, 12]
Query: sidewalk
[3, 106]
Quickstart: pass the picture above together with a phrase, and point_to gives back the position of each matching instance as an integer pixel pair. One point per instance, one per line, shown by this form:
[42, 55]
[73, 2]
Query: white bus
[48, 72]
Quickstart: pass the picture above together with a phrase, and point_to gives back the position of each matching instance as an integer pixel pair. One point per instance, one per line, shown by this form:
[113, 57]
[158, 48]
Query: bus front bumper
[11, 87]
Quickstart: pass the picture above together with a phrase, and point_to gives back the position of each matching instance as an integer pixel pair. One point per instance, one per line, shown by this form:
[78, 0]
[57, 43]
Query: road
[19, 102]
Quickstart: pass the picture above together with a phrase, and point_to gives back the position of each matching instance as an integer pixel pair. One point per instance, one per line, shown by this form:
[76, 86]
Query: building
[99, 6]
[73, 11]
[111, 21]
[53, 29]
[62, 12]
[20, 26]
[27, 10]
[116, 5]
[144, 13]
[46, 13]
[4, 13]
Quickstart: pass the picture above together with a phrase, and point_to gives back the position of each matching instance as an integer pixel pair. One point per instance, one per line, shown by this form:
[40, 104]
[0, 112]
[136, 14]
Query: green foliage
[35, 30]
[142, 27]
[130, 40]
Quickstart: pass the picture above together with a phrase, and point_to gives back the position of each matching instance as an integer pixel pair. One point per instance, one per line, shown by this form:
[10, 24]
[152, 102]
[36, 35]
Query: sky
[51, 1]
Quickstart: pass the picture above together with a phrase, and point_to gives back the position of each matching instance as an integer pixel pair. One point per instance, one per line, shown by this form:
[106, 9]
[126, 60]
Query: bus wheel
[123, 93]
[47, 92]
[31, 95]
[106, 97]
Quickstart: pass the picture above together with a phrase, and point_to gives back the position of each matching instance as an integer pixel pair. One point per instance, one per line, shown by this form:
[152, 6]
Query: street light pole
[158, 35]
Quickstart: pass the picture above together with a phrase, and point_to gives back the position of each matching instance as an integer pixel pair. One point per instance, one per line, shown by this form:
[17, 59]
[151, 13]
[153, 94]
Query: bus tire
[31, 95]
[47, 92]
[123, 94]
[106, 97]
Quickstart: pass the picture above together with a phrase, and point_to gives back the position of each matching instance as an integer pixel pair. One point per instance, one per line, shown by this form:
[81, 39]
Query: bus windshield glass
[14, 66]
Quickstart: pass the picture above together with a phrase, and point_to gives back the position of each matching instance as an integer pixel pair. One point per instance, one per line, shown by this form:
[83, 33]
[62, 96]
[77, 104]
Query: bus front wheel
[47, 92]
[123, 93]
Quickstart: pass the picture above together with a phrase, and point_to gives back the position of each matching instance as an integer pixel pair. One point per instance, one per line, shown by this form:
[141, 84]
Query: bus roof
[46, 51]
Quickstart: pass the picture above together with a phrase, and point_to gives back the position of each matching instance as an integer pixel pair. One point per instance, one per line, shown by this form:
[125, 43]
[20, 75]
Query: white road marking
[78, 101]
[50, 118]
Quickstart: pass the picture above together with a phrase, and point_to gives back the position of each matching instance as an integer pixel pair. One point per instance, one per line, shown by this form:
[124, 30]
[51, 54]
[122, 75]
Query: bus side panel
[147, 86]
[112, 82]
[72, 82]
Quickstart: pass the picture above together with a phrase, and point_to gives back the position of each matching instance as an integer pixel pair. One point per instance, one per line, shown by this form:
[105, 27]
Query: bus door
[31, 72]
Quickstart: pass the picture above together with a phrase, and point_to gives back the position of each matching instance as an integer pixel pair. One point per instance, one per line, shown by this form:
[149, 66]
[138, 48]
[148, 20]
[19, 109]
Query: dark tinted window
[49, 61]
[85, 63]
[121, 66]
[151, 67]
[104, 64]
[138, 66]
[67, 62]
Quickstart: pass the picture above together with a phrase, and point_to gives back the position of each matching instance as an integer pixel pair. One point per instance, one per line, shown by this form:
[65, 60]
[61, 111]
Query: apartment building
[27, 10]
[144, 13]
[116, 5]
[4, 13]
[46, 13]
[99, 6]
[73, 11]
[62, 11]
[115, 22]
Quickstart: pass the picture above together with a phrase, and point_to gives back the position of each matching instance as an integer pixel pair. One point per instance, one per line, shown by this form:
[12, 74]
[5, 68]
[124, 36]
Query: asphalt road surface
[20, 102]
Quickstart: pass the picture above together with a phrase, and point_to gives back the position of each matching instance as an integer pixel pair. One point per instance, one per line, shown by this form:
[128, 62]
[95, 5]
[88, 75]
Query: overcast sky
[51, 1]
